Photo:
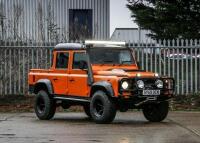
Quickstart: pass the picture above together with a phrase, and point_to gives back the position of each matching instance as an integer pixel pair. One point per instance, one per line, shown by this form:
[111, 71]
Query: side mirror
[138, 64]
[83, 65]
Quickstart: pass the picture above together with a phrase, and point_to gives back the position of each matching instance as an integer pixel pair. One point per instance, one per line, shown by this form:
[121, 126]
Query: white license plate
[151, 92]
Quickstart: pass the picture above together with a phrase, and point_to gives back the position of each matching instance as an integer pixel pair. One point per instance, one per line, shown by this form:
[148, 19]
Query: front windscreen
[111, 56]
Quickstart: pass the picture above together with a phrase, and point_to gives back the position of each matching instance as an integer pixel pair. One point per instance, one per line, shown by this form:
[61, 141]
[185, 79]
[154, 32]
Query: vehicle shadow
[84, 120]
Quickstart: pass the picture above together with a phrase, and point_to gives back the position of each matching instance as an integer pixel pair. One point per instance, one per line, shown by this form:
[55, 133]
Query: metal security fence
[179, 59]
[15, 63]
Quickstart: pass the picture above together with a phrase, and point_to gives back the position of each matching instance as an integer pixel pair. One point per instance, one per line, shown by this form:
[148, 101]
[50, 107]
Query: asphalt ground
[129, 127]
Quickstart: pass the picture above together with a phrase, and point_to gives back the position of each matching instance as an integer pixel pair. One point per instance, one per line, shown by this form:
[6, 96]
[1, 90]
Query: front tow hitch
[146, 100]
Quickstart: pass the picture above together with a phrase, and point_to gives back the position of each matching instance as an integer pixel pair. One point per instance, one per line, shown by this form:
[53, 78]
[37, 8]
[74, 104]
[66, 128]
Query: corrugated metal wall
[27, 19]
[131, 35]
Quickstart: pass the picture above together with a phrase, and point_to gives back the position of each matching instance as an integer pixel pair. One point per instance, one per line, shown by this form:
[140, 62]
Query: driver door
[78, 77]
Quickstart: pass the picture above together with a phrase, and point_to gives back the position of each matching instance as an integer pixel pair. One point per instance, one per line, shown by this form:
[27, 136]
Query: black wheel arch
[43, 84]
[104, 86]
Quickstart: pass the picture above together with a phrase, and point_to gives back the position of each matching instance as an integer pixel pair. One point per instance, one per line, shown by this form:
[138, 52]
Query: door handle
[55, 79]
[71, 80]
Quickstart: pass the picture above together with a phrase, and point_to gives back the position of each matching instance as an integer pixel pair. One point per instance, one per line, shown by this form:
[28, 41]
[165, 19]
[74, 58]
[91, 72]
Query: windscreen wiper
[124, 62]
[104, 62]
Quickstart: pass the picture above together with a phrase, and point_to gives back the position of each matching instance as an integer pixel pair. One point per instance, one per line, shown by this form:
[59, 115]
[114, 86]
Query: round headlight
[156, 74]
[125, 85]
[159, 83]
[140, 84]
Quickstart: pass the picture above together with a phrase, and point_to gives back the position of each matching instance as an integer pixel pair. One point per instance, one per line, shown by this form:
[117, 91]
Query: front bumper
[138, 102]
[167, 90]
[134, 97]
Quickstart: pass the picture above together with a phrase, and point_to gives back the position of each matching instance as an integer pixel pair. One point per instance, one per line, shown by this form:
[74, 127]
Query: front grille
[148, 83]
[149, 86]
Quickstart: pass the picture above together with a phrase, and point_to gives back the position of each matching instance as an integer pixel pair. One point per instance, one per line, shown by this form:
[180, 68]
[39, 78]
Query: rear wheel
[44, 106]
[102, 108]
[156, 112]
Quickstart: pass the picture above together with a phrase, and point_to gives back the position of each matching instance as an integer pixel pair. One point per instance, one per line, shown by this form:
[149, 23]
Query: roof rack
[94, 42]
[69, 46]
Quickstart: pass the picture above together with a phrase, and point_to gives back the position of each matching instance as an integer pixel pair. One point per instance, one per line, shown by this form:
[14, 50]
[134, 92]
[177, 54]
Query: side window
[62, 60]
[80, 60]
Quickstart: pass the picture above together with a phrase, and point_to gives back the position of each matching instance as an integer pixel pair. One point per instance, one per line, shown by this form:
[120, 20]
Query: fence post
[177, 68]
[183, 68]
[159, 57]
[195, 74]
[5, 71]
[191, 66]
[186, 42]
[1, 71]
[169, 45]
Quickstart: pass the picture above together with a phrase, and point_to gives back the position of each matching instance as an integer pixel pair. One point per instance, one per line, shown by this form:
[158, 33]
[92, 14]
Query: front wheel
[156, 112]
[44, 106]
[102, 108]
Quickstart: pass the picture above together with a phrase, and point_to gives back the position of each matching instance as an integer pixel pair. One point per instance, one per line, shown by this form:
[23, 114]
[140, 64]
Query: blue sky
[120, 16]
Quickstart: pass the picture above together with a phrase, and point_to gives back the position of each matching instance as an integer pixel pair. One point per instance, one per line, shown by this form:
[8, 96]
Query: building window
[80, 24]
[62, 60]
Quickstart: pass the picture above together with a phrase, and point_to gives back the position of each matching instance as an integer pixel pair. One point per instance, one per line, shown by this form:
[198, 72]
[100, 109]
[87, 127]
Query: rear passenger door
[77, 81]
[59, 76]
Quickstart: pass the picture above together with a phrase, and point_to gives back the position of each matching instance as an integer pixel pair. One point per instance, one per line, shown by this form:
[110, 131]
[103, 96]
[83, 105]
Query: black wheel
[87, 110]
[44, 106]
[102, 108]
[156, 112]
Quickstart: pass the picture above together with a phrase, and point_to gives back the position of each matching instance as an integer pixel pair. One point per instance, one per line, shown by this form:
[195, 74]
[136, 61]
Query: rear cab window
[62, 60]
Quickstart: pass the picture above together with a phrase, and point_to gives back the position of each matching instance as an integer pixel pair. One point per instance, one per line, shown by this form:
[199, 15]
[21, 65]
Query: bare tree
[18, 10]
[79, 31]
[2, 21]
[52, 28]
[40, 17]
[46, 24]
[64, 35]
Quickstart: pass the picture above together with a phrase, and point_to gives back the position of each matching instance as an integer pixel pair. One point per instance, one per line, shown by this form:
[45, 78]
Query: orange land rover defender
[101, 76]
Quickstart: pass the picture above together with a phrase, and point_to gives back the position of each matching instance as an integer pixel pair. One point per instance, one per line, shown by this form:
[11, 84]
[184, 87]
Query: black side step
[74, 99]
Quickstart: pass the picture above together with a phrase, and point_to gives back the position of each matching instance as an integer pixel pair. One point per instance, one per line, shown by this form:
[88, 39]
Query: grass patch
[20, 103]
[16, 103]
[186, 102]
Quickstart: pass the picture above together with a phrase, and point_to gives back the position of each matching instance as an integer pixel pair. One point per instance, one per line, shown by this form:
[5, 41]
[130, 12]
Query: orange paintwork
[74, 81]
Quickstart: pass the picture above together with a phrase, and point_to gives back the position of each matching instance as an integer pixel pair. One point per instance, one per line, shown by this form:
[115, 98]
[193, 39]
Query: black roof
[69, 46]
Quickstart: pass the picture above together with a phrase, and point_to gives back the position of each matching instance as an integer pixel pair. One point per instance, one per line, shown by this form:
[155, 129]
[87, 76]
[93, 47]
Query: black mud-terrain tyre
[44, 106]
[102, 108]
[86, 108]
[156, 112]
